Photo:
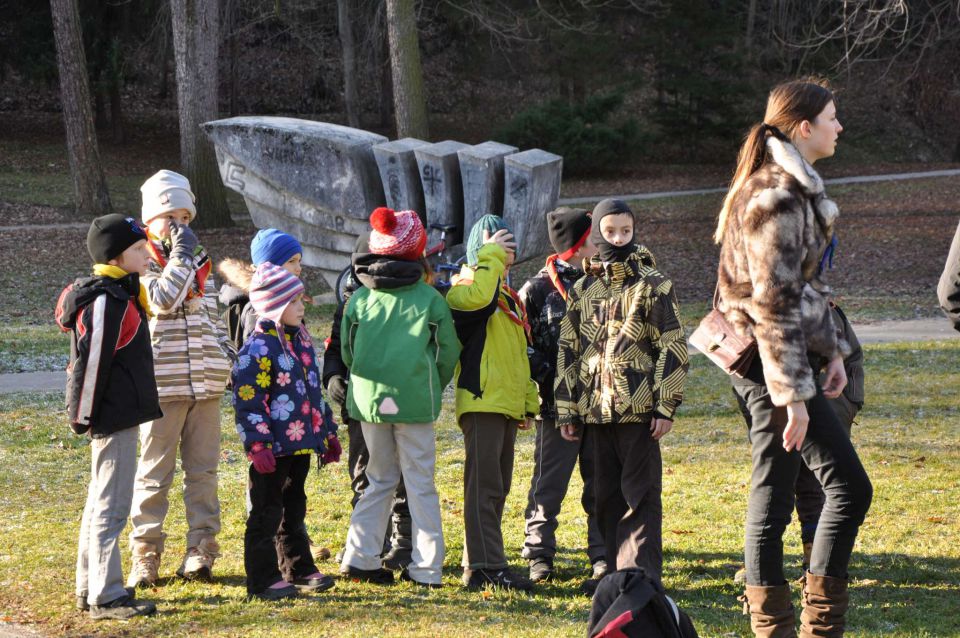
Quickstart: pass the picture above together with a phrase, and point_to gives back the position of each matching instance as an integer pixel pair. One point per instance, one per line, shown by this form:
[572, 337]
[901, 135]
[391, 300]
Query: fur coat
[778, 228]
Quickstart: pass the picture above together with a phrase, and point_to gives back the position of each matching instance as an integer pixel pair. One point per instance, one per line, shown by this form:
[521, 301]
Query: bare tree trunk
[233, 52]
[196, 26]
[751, 24]
[381, 60]
[409, 99]
[89, 184]
[348, 48]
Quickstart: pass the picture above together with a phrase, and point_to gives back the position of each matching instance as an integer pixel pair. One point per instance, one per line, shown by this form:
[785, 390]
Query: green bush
[589, 136]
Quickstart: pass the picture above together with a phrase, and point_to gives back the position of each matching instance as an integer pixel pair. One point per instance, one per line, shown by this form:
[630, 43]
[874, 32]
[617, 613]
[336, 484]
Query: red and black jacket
[110, 378]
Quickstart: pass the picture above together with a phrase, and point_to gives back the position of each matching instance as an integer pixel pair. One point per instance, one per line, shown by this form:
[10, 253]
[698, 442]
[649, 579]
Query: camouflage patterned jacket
[622, 354]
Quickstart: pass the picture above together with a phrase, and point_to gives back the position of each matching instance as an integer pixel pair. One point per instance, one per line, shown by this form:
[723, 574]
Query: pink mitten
[334, 450]
[263, 460]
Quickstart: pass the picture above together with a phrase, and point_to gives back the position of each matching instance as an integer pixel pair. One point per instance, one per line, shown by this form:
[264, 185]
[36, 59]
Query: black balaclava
[606, 251]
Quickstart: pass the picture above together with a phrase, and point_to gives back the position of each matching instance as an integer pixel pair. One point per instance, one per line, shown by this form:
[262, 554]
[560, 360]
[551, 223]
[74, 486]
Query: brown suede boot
[771, 612]
[825, 602]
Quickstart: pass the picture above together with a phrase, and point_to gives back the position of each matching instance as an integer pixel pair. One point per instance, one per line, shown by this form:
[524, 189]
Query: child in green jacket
[399, 342]
[494, 394]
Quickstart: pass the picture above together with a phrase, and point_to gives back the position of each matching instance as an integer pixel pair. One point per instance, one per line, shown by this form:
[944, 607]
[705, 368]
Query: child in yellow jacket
[495, 396]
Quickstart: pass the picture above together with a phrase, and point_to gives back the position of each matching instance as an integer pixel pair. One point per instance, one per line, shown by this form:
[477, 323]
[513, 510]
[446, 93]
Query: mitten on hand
[334, 450]
[263, 460]
[183, 242]
[337, 389]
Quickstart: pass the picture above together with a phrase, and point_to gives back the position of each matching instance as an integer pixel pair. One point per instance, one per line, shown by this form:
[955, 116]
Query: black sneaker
[123, 608]
[398, 558]
[379, 576]
[589, 587]
[278, 593]
[317, 584]
[541, 569]
[405, 576]
[83, 605]
[496, 578]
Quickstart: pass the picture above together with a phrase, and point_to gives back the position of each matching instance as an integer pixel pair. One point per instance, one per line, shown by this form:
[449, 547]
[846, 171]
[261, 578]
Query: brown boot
[825, 602]
[771, 612]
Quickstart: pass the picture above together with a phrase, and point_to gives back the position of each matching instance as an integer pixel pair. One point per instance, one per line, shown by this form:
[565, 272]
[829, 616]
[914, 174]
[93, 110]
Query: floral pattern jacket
[276, 393]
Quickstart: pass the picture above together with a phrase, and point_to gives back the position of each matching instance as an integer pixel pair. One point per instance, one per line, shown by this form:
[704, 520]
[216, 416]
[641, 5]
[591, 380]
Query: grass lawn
[906, 566]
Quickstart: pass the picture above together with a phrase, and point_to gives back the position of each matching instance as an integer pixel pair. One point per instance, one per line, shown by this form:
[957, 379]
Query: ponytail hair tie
[772, 130]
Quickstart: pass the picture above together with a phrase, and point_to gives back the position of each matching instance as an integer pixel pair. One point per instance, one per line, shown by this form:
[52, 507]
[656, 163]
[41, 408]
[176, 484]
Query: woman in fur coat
[776, 230]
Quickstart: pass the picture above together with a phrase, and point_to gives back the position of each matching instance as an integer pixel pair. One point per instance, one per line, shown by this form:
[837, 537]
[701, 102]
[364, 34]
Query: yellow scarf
[116, 272]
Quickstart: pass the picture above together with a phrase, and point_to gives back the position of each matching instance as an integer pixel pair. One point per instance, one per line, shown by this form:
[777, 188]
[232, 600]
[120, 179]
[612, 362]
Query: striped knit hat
[397, 234]
[271, 291]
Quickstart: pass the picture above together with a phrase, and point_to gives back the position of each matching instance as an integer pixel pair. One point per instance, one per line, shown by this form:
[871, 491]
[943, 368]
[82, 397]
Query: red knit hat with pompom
[398, 234]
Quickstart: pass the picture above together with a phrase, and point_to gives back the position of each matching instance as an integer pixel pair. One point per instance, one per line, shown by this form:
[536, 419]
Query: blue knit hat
[274, 246]
[489, 223]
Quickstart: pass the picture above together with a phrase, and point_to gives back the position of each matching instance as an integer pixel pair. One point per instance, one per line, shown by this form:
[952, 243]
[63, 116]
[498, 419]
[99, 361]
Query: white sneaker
[198, 563]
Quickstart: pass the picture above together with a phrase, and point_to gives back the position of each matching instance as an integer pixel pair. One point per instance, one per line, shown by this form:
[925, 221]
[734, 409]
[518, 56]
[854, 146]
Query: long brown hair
[788, 105]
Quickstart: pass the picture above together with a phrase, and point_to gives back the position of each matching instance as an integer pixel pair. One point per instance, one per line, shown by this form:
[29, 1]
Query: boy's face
[617, 229]
[293, 313]
[160, 225]
[135, 258]
[293, 265]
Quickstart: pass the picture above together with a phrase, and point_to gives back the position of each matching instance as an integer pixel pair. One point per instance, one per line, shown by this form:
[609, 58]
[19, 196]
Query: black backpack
[233, 319]
[630, 604]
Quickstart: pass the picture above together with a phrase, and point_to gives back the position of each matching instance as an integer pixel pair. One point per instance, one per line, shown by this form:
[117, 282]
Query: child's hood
[82, 292]
[382, 272]
[237, 275]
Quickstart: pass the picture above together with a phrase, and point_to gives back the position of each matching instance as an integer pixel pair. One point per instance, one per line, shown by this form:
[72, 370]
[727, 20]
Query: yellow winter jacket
[493, 374]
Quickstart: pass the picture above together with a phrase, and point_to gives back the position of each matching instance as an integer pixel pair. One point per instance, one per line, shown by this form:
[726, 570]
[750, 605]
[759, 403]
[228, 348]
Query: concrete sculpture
[320, 182]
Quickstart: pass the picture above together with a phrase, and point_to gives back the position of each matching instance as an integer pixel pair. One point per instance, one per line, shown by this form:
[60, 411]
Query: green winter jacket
[401, 348]
[494, 373]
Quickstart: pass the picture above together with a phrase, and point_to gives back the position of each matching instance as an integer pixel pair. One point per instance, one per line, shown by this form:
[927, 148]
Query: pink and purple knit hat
[271, 291]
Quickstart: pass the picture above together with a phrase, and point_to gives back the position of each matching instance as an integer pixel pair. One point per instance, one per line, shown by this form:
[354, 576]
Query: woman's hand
[570, 432]
[660, 426]
[796, 430]
[525, 424]
[836, 379]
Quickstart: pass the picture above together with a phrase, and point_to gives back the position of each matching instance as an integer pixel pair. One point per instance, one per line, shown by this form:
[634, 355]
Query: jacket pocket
[633, 382]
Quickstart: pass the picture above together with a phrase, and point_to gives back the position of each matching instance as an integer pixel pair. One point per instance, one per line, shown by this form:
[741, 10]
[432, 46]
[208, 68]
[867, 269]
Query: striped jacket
[191, 348]
[622, 353]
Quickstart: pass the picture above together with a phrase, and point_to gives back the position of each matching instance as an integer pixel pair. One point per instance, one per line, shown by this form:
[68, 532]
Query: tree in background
[196, 32]
[89, 184]
[409, 98]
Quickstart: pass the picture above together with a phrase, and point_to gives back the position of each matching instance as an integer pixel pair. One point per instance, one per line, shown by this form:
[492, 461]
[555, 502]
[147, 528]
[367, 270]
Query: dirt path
[878, 332]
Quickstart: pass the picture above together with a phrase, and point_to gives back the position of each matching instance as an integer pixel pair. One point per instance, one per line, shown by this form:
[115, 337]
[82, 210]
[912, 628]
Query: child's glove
[183, 243]
[263, 460]
[334, 450]
[337, 389]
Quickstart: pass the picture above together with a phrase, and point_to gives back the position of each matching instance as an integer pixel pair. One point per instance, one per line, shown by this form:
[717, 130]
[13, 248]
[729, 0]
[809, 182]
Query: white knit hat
[166, 191]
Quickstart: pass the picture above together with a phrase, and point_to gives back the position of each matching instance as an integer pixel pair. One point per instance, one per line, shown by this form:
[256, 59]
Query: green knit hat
[489, 223]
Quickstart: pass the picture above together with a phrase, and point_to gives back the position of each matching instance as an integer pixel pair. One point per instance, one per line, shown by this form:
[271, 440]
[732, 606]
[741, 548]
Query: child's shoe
[315, 582]
[496, 578]
[146, 566]
[405, 576]
[541, 569]
[123, 608]
[198, 563]
[83, 605]
[277, 591]
[379, 576]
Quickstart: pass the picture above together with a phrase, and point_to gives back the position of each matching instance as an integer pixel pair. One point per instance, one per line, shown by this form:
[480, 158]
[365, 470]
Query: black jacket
[110, 379]
[948, 290]
[545, 307]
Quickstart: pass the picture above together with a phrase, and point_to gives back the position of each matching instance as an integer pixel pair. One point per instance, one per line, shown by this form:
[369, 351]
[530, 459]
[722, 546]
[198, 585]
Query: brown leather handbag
[718, 340]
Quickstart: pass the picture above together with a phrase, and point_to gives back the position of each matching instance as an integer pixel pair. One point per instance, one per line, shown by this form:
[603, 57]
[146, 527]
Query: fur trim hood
[237, 275]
